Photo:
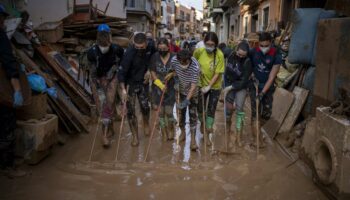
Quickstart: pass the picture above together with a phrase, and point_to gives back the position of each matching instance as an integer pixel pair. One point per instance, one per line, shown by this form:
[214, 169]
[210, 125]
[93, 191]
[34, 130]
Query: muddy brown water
[168, 173]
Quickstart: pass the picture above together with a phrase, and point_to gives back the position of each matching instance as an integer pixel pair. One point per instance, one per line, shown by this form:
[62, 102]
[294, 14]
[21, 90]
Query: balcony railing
[139, 5]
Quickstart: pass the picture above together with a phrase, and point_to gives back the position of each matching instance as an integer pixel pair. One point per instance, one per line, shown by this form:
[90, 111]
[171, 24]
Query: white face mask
[103, 49]
[265, 49]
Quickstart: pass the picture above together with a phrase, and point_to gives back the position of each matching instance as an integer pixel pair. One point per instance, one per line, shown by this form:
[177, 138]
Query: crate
[50, 32]
[36, 137]
[36, 110]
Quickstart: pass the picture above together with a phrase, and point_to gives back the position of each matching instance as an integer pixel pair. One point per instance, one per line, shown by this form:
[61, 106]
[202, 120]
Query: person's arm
[124, 68]
[8, 61]
[273, 74]
[92, 64]
[192, 90]
[271, 79]
[214, 79]
[219, 69]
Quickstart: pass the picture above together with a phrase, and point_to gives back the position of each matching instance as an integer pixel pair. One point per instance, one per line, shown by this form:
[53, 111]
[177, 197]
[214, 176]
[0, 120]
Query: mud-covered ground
[169, 173]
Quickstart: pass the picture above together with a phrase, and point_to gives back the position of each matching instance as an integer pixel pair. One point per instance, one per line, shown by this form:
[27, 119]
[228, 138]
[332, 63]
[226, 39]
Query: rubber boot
[230, 135]
[194, 146]
[105, 138]
[171, 130]
[146, 129]
[183, 134]
[206, 136]
[239, 127]
[163, 129]
[209, 129]
[134, 131]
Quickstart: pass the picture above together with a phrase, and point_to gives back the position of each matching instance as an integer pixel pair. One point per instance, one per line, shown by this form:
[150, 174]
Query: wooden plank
[62, 101]
[283, 100]
[298, 104]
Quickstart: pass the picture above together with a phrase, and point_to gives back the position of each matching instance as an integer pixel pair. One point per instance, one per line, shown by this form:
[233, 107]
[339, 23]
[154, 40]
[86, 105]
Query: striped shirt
[186, 76]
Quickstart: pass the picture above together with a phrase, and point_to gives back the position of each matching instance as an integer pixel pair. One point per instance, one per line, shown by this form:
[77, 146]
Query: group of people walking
[191, 80]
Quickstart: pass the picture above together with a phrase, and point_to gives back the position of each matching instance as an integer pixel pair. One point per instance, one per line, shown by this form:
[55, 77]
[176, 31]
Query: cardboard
[283, 100]
[298, 104]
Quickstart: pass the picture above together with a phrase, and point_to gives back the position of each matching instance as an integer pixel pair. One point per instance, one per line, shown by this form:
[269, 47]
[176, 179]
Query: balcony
[180, 18]
[248, 2]
[228, 3]
[139, 7]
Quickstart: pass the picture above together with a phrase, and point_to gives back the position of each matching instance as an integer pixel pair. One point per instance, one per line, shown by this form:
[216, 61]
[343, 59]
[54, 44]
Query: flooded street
[169, 173]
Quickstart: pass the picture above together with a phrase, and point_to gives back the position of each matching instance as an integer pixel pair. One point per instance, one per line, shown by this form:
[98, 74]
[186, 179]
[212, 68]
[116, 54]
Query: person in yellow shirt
[212, 66]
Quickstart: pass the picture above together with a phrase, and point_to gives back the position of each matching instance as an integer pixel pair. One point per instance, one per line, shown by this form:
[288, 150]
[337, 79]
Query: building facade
[235, 19]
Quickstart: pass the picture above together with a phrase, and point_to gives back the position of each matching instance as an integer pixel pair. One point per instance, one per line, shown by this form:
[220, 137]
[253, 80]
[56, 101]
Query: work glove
[260, 96]
[169, 76]
[227, 89]
[17, 99]
[159, 84]
[124, 96]
[184, 104]
[205, 89]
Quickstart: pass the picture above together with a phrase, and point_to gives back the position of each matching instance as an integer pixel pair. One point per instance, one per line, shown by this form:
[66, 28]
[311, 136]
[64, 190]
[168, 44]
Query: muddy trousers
[140, 92]
[213, 98]
[104, 91]
[237, 98]
[192, 113]
[7, 137]
[167, 122]
[265, 105]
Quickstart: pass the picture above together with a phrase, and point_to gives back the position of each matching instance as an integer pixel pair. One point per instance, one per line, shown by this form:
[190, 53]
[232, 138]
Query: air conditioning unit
[331, 153]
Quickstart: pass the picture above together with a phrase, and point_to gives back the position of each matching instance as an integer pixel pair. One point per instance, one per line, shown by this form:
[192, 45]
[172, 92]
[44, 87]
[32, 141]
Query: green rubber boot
[209, 122]
[239, 127]
[163, 129]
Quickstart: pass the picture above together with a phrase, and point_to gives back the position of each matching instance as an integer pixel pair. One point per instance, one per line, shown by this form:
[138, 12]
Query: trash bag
[52, 92]
[37, 83]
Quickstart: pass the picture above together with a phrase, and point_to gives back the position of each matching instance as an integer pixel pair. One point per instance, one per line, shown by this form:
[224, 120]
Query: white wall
[46, 11]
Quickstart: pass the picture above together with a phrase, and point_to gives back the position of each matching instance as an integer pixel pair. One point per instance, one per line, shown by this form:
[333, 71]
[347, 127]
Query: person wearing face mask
[212, 66]
[104, 58]
[173, 47]
[131, 75]
[266, 64]
[162, 76]
[187, 74]
[237, 73]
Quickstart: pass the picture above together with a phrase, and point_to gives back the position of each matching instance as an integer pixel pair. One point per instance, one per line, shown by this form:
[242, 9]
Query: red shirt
[174, 48]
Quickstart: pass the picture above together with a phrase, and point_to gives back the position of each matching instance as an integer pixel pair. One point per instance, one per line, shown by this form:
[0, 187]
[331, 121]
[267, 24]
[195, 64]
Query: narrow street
[168, 174]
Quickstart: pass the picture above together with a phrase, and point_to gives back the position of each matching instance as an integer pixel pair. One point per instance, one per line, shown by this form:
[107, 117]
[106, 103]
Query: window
[161, 11]
[182, 14]
[265, 18]
[131, 3]
[188, 17]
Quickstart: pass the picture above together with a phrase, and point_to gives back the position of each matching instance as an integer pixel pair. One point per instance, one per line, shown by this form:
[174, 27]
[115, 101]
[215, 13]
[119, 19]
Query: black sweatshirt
[237, 72]
[105, 61]
[134, 67]
[7, 59]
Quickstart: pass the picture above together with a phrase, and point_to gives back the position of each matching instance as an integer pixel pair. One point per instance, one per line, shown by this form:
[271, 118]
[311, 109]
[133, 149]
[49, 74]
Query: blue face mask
[210, 49]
